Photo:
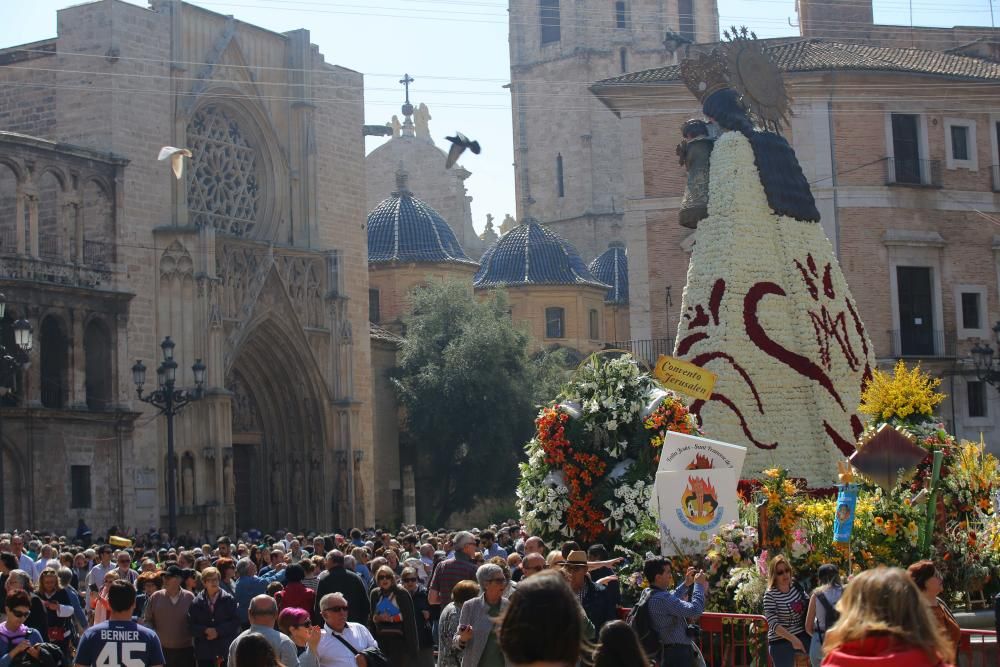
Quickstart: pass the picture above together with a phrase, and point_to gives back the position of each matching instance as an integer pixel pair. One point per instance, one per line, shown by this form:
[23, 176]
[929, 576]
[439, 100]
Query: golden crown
[706, 74]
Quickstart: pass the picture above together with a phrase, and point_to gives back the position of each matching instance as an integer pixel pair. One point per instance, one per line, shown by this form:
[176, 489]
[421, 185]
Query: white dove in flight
[176, 156]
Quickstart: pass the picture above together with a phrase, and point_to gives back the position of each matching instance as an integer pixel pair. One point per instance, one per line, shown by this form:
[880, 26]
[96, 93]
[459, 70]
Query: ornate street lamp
[169, 400]
[11, 363]
[983, 357]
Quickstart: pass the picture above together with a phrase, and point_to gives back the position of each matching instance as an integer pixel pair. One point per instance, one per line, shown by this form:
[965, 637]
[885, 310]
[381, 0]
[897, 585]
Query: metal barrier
[734, 640]
[978, 648]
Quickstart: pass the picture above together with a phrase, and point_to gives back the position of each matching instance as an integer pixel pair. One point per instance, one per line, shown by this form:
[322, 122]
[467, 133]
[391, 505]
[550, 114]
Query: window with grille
[621, 15]
[976, 394]
[549, 18]
[555, 323]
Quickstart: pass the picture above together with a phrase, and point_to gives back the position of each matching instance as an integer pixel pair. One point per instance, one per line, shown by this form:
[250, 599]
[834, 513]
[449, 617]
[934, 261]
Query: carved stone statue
[420, 120]
[397, 127]
[508, 224]
[489, 234]
[695, 153]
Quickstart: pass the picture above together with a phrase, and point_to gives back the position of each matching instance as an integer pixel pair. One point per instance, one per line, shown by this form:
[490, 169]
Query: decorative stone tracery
[224, 179]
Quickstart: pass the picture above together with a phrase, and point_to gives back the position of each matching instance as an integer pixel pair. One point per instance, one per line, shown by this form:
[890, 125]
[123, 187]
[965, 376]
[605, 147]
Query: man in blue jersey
[120, 641]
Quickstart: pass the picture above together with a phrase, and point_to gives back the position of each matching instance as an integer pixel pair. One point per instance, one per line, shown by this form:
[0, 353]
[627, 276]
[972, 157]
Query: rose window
[223, 182]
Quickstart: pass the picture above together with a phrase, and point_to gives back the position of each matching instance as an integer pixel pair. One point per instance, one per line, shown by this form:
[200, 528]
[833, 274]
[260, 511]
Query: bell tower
[567, 156]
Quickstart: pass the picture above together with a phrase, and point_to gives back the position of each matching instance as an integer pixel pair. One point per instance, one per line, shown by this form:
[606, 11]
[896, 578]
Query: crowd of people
[490, 598]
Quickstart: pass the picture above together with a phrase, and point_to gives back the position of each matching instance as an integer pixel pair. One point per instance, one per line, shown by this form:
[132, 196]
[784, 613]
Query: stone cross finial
[406, 81]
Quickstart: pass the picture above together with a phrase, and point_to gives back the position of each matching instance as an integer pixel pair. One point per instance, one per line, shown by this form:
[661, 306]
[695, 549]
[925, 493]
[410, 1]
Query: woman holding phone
[15, 636]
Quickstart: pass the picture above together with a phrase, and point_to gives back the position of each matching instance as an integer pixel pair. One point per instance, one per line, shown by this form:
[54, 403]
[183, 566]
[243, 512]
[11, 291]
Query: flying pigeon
[458, 145]
[176, 156]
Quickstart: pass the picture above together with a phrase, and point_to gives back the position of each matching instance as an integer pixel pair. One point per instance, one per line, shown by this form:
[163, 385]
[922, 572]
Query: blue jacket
[248, 587]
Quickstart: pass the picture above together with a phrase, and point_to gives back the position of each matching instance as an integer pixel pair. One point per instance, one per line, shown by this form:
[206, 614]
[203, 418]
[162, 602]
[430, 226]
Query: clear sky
[457, 52]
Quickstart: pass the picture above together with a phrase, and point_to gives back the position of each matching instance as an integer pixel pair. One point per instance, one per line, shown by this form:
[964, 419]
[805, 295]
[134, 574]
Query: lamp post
[169, 400]
[10, 364]
[982, 356]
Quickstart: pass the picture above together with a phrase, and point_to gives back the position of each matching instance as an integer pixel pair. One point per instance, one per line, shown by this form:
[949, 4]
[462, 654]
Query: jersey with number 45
[119, 644]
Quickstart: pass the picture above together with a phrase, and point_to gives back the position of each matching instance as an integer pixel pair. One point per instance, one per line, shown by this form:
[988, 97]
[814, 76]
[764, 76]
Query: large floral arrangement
[590, 466]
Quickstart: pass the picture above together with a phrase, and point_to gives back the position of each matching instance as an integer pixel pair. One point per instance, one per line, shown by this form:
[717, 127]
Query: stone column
[76, 369]
[19, 222]
[33, 224]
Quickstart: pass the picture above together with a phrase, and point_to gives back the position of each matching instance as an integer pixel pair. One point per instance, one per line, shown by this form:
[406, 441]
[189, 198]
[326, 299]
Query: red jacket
[296, 595]
[880, 652]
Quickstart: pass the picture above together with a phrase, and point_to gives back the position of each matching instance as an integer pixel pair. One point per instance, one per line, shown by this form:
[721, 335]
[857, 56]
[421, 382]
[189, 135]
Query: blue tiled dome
[530, 254]
[611, 267]
[404, 229]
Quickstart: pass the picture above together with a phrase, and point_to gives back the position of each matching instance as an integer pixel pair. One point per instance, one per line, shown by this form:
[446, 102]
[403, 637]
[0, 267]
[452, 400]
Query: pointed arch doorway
[280, 435]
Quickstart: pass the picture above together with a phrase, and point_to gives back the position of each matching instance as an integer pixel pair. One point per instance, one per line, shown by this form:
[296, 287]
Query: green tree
[468, 389]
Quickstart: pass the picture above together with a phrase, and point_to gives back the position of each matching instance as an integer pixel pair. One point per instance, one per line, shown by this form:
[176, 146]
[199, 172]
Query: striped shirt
[785, 609]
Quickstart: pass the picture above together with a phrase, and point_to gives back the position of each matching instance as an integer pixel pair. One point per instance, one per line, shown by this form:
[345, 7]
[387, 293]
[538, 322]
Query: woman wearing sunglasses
[15, 636]
[393, 620]
[785, 605]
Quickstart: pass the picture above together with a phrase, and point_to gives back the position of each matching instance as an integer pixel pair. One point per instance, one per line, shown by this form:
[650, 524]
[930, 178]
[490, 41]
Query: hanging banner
[843, 521]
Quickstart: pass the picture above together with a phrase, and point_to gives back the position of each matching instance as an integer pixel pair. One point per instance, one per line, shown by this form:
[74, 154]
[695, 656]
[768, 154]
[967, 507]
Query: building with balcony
[895, 143]
[254, 262]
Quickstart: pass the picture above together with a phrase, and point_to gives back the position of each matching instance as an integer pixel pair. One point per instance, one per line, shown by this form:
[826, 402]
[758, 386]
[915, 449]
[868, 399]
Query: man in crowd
[453, 570]
[95, 578]
[124, 569]
[120, 640]
[593, 596]
[166, 613]
[488, 545]
[532, 563]
[339, 579]
[24, 561]
[669, 611]
[342, 640]
[249, 586]
[224, 547]
[263, 613]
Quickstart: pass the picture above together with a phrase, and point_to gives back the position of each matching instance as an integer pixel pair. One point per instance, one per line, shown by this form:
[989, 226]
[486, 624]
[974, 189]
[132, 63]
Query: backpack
[832, 615]
[638, 619]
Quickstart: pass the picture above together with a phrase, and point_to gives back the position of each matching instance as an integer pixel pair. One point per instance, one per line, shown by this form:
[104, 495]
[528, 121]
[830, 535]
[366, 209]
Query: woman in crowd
[15, 636]
[542, 624]
[227, 574]
[295, 593]
[147, 584]
[297, 624]
[393, 620]
[58, 612]
[821, 614]
[255, 651]
[478, 618]
[884, 620]
[18, 580]
[448, 653]
[99, 605]
[213, 621]
[928, 579]
[785, 606]
[422, 613]
[392, 560]
[618, 646]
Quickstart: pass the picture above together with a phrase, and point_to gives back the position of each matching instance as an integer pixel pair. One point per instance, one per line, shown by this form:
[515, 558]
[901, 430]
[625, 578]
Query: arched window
[623, 57]
[51, 236]
[97, 365]
[560, 187]
[555, 319]
[54, 349]
[98, 225]
[685, 19]
[186, 472]
[621, 14]
[8, 210]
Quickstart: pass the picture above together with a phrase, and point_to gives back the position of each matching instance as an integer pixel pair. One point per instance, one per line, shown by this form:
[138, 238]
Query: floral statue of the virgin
[766, 306]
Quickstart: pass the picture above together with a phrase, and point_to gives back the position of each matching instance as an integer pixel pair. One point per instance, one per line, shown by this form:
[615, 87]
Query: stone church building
[254, 262]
